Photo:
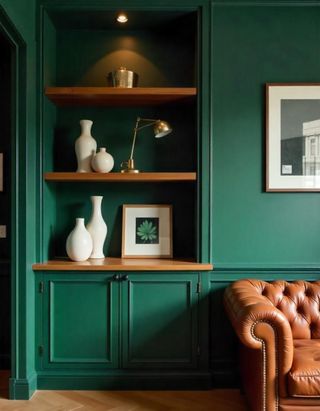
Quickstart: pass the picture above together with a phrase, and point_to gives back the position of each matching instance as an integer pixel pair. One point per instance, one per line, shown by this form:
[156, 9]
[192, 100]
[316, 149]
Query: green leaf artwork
[147, 230]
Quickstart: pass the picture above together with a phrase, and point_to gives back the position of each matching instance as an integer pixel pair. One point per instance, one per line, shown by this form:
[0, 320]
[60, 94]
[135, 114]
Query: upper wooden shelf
[122, 264]
[121, 177]
[111, 96]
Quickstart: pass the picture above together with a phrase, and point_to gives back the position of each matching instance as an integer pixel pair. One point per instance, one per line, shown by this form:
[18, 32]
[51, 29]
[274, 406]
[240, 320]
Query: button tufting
[300, 310]
[286, 291]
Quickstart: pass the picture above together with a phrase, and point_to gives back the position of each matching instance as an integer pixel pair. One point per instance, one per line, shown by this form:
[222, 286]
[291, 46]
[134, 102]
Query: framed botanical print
[293, 137]
[147, 231]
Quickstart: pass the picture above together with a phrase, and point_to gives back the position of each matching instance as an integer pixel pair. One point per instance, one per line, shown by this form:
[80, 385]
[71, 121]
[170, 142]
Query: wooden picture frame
[146, 231]
[1, 172]
[293, 137]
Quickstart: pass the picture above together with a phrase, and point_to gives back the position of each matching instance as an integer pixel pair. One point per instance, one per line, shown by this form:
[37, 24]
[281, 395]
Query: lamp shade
[161, 129]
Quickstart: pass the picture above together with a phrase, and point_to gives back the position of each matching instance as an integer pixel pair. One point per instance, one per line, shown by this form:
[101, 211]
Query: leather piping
[264, 365]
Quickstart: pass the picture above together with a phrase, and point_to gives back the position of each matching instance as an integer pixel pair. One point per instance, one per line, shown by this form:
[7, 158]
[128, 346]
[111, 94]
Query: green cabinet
[117, 321]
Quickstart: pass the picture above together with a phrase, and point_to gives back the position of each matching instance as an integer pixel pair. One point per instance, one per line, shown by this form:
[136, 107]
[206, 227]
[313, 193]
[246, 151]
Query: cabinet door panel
[160, 321]
[80, 322]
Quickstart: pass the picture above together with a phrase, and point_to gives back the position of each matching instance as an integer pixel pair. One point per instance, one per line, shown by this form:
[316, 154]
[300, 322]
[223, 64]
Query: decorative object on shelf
[293, 137]
[102, 162]
[160, 128]
[146, 231]
[123, 78]
[97, 228]
[85, 147]
[79, 242]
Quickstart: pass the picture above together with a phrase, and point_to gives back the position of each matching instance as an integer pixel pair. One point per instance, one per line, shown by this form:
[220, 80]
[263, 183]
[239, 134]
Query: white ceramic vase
[79, 242]
[97, 228]
[102, 162]
[85, 147]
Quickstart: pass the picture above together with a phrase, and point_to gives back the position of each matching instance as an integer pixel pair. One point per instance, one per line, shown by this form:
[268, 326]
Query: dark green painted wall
[254, 233]
[253, 45]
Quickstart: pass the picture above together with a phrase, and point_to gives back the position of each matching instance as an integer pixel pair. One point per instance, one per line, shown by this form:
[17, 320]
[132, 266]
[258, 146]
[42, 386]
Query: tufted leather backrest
[299, 301]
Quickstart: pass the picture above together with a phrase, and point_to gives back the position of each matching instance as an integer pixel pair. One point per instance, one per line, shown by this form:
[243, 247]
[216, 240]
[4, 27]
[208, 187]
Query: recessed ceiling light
[122, 18]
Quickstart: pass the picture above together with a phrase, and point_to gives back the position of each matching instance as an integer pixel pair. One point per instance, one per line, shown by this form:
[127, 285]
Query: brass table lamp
[160, 128]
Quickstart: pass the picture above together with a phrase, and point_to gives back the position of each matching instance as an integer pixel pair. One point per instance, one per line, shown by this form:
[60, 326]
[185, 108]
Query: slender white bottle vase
[79, 242]
[97, 228]
[85, 147]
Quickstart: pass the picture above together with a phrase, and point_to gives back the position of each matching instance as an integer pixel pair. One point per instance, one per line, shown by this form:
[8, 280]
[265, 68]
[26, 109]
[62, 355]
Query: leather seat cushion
[304, 376]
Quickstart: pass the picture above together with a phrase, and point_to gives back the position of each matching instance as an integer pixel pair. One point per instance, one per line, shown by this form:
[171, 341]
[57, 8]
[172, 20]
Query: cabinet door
[80, 321]
[159, 320]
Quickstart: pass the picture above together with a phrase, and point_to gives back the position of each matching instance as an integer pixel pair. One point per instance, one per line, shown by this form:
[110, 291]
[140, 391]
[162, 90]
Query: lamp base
[130, 171]
[128, 166]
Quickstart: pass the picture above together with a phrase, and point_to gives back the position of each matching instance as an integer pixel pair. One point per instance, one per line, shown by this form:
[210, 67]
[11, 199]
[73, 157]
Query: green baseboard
[126, 381]
[22, 388]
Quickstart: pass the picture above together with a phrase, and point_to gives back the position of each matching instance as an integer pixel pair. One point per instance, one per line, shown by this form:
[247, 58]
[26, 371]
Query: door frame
[21, 386]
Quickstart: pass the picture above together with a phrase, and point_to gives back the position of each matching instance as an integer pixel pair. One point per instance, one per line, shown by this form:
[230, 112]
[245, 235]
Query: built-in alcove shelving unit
[138, 319]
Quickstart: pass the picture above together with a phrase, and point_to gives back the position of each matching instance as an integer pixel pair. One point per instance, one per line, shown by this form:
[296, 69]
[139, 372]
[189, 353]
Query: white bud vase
[102, 162]
[79, 242]
[85, 147]
[97, 228]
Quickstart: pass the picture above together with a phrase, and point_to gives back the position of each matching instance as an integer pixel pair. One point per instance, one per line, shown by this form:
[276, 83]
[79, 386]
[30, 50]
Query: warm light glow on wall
[122, 18]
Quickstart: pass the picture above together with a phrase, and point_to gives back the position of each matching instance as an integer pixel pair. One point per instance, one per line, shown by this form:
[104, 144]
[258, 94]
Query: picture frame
[146, 231]
[293, 137]
[1, 172]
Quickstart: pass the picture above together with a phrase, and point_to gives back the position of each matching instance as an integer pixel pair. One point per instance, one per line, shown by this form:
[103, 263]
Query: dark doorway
[5, 198]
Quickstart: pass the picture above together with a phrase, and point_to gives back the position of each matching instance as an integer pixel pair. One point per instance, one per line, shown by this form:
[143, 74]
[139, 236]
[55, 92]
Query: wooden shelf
[111, 96]
[121, 177]
[122, 264]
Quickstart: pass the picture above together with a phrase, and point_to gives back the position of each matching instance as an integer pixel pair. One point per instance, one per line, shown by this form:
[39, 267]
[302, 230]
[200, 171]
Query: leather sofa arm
[257, 321]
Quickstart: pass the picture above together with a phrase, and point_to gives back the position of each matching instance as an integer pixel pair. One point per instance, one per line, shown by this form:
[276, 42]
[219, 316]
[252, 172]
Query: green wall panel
[252, 46]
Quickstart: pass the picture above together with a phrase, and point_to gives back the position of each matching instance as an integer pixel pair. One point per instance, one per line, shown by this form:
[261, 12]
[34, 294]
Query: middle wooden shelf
[121, 177]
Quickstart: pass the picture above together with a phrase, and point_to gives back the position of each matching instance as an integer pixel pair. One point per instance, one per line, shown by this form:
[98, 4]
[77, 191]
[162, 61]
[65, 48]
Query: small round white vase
[102, 162]
[79, 242]
[85, 147]
[97, 228]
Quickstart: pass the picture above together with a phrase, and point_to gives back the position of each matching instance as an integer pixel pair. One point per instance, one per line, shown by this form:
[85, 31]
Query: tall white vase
[79, 242]
[85, 147]
[97, 228]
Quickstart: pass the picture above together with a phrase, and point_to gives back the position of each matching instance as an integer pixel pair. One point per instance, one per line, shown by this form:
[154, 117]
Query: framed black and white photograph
[1, 172]
[293, 137]
[147, 231]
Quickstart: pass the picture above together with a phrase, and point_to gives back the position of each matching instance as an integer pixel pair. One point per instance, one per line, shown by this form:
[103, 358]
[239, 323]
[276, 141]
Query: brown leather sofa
[278, 324]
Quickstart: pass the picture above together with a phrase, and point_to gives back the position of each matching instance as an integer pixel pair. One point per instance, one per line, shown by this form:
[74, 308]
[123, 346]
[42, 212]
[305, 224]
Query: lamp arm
[134, 138]
[137, 128]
